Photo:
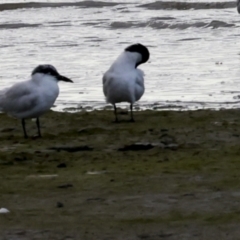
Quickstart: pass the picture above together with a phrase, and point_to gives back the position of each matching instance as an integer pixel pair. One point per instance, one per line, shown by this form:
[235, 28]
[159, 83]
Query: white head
[50, 70]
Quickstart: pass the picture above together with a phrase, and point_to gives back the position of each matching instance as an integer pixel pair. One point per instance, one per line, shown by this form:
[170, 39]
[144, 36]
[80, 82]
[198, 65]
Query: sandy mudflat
[169, 175]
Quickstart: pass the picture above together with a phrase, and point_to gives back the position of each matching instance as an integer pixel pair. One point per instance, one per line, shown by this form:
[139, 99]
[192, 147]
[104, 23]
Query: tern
[32, 98]
[123, 81]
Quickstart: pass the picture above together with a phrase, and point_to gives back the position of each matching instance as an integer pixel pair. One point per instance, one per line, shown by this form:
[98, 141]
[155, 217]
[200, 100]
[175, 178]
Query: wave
[160, 5]
[125, 25]
[164, 25]
[84, 4]
[17, 25]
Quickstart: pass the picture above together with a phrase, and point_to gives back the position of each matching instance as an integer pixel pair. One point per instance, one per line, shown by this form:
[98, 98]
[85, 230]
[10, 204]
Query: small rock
[164, 130]
[65, 186]
[62, 165]
[95, 172]
[137, 147]
[172, 146]
[43, 176]
[60, 205]
[72, 149]
[20, 159]
[167, 139]
[4, 210]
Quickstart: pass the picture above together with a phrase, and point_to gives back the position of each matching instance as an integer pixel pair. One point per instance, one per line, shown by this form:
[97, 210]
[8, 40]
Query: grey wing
[106, 80]
[139, 90]
[104, 83]
[19, 98]
[140, 81]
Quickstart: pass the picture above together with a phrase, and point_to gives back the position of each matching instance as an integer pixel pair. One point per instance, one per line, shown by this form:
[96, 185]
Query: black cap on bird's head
[141, 49]
[50, 70]
[238, 6]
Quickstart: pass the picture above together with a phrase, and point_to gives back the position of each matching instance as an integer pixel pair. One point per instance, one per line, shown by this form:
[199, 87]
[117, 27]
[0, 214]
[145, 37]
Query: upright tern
[123, 81]
[32, 98]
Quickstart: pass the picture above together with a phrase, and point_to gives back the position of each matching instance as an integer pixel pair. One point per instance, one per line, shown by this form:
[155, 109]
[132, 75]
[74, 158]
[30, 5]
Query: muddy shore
[170, 175]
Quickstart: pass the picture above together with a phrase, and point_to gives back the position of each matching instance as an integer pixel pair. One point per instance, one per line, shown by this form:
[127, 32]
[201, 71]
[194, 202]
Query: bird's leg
[38, 127]
[24, 129]
[131, 108]
[115, 112]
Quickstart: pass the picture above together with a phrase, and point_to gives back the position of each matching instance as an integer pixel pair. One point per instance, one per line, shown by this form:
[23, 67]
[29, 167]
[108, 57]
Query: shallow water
[195, 54]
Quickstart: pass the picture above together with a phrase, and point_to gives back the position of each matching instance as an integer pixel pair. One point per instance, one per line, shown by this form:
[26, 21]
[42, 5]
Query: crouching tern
[32, 98]
[123, 81]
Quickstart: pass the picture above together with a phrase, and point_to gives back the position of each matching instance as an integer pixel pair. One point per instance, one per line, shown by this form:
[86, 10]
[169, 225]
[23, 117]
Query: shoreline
[144, 105]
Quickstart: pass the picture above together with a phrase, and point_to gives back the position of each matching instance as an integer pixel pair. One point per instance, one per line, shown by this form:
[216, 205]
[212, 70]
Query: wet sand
[169, 175]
